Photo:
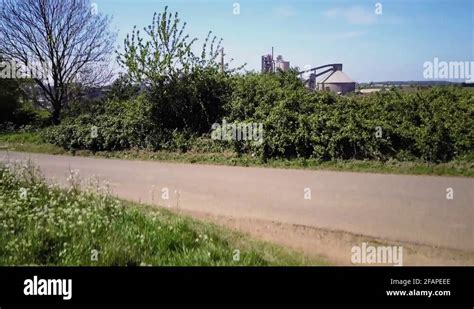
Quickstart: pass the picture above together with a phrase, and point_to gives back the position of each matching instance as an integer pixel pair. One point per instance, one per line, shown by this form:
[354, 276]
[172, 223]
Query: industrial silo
[282, 64]
[337, 82]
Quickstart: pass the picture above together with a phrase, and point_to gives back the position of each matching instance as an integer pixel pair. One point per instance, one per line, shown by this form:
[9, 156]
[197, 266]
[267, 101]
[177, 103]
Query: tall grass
[45, 225]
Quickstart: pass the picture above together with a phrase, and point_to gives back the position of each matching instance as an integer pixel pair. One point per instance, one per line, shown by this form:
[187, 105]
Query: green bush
[123, 125]
[165, 117]
[192, 102]
[432, 125]
[10, 95]
[24, 117]
[168, 98]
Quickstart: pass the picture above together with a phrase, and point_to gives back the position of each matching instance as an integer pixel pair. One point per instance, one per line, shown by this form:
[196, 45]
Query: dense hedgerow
[122, 125]
[162, 116]
[170, 97]
[43, 225]
[432, 125]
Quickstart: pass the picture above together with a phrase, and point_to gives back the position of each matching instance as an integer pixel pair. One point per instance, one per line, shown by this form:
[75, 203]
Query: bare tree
[67, 38]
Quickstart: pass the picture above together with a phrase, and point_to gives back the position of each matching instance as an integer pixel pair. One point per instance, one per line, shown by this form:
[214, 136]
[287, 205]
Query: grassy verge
[44, 225]
[30, 142]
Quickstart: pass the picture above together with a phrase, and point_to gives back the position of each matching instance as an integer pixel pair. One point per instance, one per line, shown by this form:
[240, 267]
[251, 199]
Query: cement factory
[333, 79]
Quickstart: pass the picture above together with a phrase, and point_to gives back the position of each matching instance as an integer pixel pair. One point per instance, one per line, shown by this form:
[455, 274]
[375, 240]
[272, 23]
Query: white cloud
[355, 15]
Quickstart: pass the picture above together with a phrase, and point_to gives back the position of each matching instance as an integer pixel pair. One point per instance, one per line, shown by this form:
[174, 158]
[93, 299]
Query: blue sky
[390, 46]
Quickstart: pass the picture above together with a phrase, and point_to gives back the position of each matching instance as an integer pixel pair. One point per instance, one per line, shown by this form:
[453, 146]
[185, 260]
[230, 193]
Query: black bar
[241, 285]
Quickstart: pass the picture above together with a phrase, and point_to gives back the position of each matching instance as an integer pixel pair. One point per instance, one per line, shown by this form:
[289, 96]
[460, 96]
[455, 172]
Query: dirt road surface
[399, 208]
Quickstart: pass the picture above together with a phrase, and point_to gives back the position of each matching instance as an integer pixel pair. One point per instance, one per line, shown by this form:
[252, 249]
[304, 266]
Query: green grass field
[32, 142]
[44, 225]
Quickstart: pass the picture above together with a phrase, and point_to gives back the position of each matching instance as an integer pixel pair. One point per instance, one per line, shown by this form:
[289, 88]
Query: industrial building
[281, 64]
[337, 82]
[270, 65]
[267, 64]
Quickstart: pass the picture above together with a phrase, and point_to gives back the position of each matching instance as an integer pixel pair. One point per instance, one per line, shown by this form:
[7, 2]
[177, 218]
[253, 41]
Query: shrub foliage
[170, 97]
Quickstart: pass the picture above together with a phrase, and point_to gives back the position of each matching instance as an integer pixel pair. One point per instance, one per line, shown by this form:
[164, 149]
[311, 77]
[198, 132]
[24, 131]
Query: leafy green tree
[188, 90]
[166, 52]
[123, 89]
